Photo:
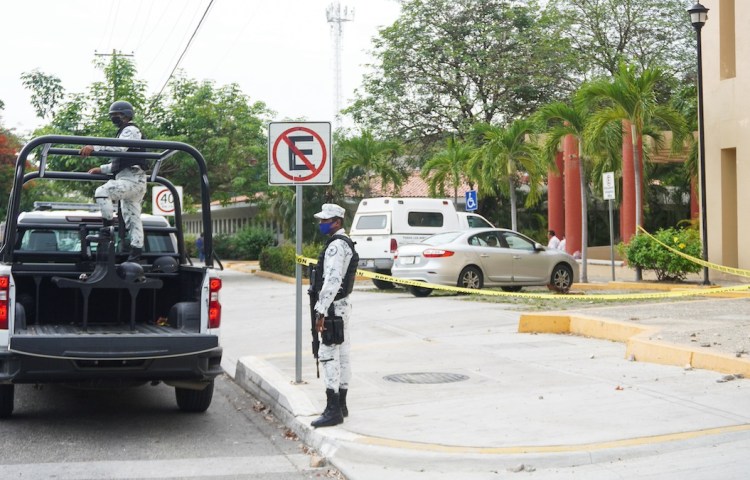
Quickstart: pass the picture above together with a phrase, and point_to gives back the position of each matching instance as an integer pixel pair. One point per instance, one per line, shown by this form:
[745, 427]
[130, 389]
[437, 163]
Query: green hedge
[281, 259]
[643, 252]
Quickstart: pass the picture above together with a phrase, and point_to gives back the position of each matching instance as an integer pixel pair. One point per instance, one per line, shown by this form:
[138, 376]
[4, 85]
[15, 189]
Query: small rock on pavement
[522, 468]
[317, 461]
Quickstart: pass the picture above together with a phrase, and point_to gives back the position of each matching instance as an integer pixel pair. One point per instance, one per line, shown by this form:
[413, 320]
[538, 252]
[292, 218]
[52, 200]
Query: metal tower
[336, 17]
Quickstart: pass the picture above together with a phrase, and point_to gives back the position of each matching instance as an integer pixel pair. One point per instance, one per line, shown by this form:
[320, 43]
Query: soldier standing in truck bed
[129, 183]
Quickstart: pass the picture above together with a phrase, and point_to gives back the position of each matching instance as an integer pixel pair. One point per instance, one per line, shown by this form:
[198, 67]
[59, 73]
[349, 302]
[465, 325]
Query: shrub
[281, 259]
[249, 242]
[643, 252]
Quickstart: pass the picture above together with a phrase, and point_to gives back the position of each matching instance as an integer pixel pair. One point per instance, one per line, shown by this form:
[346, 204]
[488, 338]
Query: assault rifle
[312, 292]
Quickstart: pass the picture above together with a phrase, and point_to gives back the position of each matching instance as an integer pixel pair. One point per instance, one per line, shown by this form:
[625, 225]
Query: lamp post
[698, 16]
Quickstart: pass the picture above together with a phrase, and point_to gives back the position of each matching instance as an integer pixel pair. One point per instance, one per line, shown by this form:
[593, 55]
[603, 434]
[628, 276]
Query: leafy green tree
[448, 168]
[445, 65]
[9, 147]
[605, 33]
[631, 96]
[47, 92]
[360, 158]
[503, 158]
[228, 128]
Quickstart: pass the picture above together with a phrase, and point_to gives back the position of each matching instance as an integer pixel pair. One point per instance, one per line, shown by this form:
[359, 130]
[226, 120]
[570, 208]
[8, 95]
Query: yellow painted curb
[637, 342]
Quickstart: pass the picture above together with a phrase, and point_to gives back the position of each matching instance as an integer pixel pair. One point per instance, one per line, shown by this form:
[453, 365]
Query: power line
[158, 95]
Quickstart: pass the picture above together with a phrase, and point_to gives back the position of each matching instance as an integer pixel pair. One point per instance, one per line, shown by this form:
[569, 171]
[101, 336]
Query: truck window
[372, 222]
[425, 219]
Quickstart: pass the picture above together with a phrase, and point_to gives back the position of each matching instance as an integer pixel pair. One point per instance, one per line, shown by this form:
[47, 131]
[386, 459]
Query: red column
[556, 197]
[627, 209]
[572, 194]
[695, 208]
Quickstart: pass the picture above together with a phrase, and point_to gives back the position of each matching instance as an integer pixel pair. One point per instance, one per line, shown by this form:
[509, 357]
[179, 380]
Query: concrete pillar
[572, 194]
[556, 197]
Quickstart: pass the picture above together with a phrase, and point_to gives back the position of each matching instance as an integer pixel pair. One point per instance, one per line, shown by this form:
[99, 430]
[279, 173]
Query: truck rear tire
[6, 400]
[194, 401]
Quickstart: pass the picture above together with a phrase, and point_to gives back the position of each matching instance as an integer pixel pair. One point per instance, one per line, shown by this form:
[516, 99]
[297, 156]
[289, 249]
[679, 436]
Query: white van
[382, 224]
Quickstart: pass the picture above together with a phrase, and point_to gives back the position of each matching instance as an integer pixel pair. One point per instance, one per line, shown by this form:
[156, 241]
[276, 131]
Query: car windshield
[442, 238]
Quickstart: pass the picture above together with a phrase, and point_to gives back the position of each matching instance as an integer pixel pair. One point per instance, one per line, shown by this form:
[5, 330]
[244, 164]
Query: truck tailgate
[110, 343]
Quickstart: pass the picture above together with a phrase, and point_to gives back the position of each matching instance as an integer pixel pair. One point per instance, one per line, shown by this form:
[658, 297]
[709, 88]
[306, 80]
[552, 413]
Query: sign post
[608, 184]
[299, 153]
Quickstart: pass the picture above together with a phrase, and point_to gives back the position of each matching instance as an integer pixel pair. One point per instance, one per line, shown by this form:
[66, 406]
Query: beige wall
[726, 100]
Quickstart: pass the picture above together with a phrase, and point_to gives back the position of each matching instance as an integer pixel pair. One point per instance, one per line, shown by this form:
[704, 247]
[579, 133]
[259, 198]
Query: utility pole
[114, 56]
[336, 17]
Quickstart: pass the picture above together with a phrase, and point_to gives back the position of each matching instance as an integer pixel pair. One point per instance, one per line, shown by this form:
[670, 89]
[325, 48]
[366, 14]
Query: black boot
[332, 414]
[135, 254]
[342, 401]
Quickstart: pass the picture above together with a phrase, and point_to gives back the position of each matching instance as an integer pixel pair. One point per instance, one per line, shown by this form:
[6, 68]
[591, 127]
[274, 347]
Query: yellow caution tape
[713, 266]
[554, 296]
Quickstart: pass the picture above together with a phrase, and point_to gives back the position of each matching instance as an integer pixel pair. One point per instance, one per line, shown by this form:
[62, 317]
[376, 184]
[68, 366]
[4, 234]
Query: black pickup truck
[74, 311]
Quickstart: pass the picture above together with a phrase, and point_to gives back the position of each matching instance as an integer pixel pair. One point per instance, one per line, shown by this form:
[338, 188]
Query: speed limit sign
[163, 201]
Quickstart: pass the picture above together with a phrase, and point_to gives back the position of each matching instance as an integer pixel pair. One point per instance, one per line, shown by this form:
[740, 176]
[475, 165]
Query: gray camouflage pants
[128, 187]
[335, 358]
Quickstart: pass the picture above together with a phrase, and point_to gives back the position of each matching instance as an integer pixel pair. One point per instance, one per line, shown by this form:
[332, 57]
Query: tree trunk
[513, 213]
[584, 217]
[573, 220]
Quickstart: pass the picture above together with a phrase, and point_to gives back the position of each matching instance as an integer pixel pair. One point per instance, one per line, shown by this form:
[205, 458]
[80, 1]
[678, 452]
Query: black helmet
[131, 272]
[122, 107]
[164, 265]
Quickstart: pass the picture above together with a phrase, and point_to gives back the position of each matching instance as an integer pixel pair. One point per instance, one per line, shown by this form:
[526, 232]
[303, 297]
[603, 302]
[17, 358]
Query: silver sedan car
[484, 257]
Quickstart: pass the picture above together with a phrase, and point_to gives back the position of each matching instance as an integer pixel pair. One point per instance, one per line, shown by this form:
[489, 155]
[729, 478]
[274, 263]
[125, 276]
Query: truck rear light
[394, 245]
[4, 288]
[437, 253]
[214, 307]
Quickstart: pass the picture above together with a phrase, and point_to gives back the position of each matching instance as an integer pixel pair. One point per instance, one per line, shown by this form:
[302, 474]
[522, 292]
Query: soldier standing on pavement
[129, 182]
[334, 280]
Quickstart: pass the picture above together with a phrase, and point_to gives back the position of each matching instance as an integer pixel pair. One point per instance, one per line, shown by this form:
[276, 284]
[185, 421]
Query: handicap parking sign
[471, 200]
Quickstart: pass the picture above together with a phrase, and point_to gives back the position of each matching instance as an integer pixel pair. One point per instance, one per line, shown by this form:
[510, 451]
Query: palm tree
[448, 166]
[503, 155]
[359, 159]
[560, 120]
[632, 98]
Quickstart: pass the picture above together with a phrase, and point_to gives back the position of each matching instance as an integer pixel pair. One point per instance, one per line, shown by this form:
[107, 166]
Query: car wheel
[6, 400]
[195, 401]
[419, 291]
[511, 288]
[383, 284]
[471, 277]
[562, 278]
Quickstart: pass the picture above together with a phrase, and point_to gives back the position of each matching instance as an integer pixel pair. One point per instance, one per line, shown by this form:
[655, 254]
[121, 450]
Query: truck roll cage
[59, 145]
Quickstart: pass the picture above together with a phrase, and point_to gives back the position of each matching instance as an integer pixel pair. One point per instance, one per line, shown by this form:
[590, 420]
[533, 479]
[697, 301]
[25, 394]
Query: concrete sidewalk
[445, 387]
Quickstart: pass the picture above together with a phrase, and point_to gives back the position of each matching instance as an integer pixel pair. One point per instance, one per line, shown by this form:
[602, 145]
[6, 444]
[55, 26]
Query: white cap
[330, 210]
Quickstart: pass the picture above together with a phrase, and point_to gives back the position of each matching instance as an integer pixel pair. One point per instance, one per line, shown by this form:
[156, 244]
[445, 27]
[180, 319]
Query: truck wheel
[6, 400]
[383, 284]
[419, 291]
[195, 401]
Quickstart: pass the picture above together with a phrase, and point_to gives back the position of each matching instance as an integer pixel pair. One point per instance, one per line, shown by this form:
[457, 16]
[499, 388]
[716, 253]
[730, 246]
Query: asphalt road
[138, 433]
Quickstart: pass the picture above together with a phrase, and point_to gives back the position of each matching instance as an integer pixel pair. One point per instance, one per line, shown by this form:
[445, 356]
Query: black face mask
[118, 120]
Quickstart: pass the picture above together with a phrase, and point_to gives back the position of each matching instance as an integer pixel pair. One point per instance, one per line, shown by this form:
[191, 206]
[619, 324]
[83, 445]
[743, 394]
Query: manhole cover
[426, 377]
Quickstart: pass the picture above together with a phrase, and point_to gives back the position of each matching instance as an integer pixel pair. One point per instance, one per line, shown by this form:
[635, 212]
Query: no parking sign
[163, 201]
[299, 153]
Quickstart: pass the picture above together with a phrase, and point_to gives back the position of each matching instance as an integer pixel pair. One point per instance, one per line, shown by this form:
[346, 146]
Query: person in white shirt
[562, 244]
[554, 242]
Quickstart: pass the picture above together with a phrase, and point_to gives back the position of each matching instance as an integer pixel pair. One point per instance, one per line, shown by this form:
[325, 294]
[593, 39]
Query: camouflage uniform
[128, 186]
[335, 358]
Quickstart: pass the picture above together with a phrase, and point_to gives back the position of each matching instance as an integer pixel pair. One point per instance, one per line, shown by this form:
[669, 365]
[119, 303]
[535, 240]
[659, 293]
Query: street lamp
[698, 16]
